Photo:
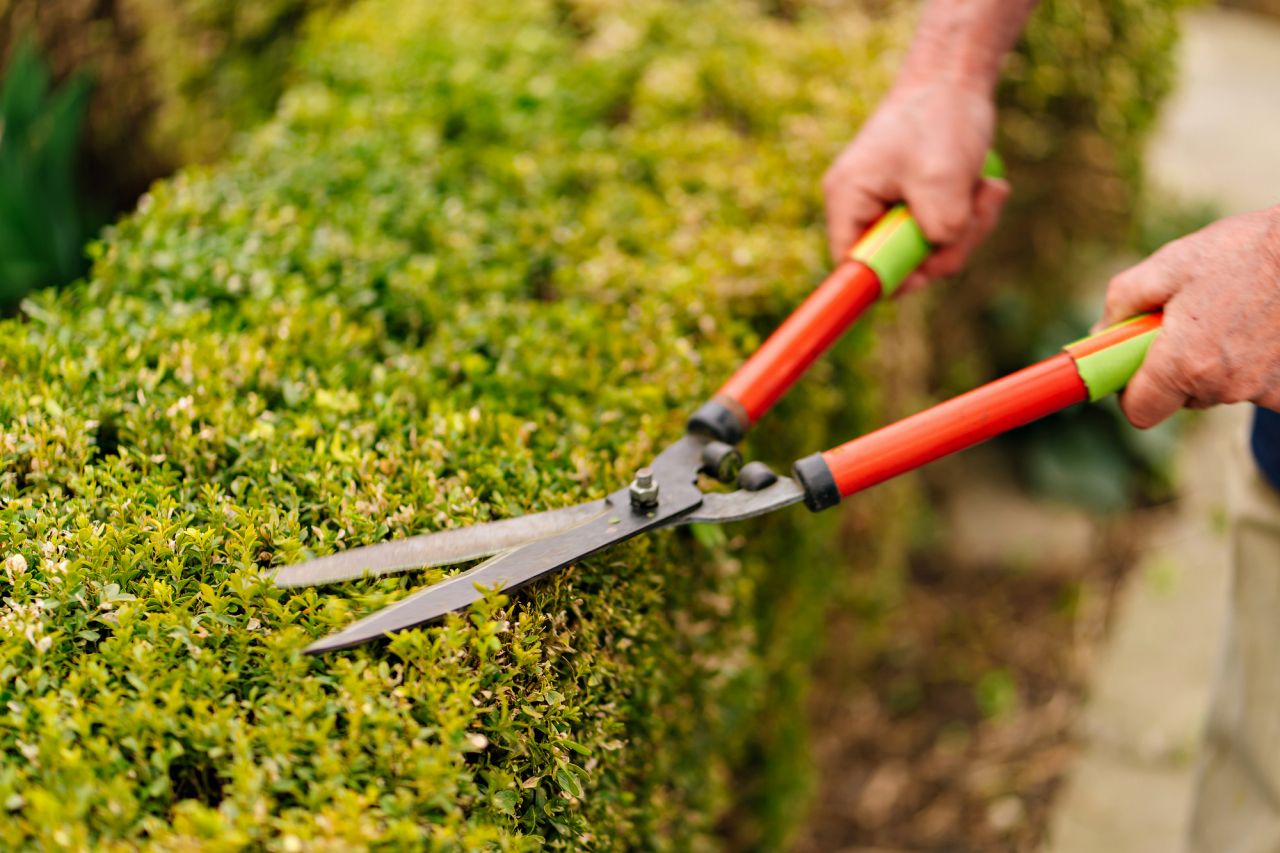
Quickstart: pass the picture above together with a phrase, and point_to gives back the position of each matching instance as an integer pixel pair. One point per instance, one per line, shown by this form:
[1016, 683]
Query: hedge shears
[666, 493]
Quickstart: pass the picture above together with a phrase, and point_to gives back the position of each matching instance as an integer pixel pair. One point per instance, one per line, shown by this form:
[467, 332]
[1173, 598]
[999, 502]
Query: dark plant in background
[43, 221]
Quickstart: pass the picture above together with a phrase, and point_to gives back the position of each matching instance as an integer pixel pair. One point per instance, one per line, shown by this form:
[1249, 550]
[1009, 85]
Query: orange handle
[882, 258]
[1086, 370]
[788, 352]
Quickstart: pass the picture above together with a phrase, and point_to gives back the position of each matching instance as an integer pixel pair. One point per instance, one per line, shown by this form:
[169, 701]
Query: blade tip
[333, 643]
[319, 647]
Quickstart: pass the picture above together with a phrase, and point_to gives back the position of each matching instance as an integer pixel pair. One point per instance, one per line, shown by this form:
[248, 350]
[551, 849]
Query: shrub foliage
[481, 264]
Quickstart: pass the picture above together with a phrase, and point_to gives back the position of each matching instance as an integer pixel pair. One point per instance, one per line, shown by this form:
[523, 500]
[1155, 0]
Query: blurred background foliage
[43, 219]
[176, 78]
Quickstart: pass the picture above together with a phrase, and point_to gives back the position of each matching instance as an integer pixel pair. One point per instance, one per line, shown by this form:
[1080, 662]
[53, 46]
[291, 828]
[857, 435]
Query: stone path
[1130, 789]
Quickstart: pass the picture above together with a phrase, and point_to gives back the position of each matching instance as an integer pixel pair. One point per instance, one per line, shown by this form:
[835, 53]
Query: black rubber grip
[820, 491]
[721, 419]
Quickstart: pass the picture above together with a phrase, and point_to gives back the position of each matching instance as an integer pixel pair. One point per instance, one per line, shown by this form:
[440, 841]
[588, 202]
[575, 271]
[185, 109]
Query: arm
[1220, 290]
[925, 143]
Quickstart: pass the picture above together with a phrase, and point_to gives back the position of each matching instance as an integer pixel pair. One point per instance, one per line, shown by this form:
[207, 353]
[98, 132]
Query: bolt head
[644, 491]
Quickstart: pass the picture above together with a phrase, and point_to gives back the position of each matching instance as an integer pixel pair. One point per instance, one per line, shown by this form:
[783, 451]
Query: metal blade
[441, 548]
[516, 568]
[723, 507]
[462, 544]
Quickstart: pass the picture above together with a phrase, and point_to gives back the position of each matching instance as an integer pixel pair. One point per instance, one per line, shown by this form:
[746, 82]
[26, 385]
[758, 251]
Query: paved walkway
[1131, 787]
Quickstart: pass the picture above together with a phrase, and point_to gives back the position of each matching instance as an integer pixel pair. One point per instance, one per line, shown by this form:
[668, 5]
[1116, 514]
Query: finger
[849, 214]
[852, 205]
[1154, 393]
[990, 196]
[989, 201]
[1145, 287]
[943, 203]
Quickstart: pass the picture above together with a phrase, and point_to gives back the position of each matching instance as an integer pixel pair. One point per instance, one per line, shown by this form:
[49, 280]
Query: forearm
[962, 42]
[926, 142]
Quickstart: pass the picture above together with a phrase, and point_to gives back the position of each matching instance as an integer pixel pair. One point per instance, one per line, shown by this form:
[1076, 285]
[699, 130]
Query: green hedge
[481, 263]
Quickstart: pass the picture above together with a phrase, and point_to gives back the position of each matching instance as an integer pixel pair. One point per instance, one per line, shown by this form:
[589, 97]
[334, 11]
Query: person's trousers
[1237, 798]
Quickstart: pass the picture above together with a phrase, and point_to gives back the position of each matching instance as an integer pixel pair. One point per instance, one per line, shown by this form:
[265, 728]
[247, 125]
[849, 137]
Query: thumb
[1154, 393]
[1145, 287]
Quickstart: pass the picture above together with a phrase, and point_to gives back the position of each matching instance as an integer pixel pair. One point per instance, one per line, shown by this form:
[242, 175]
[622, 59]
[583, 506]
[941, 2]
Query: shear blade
[441, 548]
[512, 569]
[463, 544]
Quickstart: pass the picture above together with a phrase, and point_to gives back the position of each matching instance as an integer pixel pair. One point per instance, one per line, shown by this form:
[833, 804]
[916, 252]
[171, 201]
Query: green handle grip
[895, 245]
[1107, 360]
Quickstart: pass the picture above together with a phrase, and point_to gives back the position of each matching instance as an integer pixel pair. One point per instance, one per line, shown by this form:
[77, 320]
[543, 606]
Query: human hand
[1220, 342]
[924, 145]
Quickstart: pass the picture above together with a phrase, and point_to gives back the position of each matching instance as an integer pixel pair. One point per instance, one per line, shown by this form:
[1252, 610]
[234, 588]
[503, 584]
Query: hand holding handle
[889, 252]
[1088, 369]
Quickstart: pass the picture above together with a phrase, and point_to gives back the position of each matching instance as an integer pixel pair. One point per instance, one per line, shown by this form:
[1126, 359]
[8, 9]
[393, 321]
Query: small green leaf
[506, 801]
[576, 747]
[569, 782]
[996, 693]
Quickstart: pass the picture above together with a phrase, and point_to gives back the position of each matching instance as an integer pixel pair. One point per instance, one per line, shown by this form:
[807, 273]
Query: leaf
[576, 747]
[569, 783]
[506, 801]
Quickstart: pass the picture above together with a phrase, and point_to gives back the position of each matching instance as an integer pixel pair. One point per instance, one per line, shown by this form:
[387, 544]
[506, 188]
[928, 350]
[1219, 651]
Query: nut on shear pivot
[644, 491]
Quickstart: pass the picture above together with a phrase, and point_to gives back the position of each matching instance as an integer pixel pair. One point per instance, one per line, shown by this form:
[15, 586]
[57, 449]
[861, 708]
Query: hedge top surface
[480, 264]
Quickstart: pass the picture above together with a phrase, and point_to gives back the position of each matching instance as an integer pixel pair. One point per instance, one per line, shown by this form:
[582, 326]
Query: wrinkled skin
[1220, 290]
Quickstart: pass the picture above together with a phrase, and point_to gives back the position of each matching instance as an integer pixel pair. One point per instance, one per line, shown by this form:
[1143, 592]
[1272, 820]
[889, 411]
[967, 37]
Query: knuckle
[1202, 373]
[945, 223]
[952, 224]
[1114, 299]
[938, 168]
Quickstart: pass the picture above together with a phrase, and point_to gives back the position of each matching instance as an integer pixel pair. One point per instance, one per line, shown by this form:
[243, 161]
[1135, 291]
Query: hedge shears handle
[1088, 369]
[875, 267]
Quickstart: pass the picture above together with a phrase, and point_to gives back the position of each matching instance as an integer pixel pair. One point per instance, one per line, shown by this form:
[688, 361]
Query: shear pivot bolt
[755, 476]
[644, 491]
[721, 461]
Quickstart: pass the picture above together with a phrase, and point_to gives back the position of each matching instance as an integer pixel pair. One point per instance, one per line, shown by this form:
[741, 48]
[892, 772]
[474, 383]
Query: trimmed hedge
[481, 264]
